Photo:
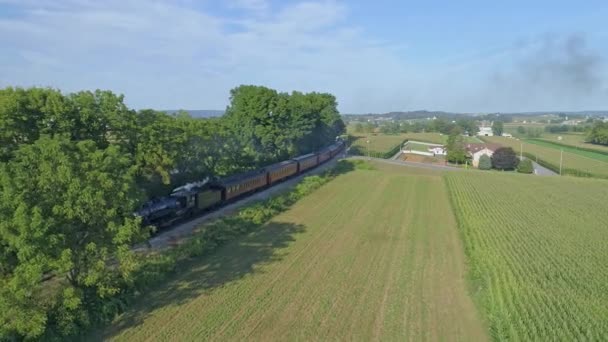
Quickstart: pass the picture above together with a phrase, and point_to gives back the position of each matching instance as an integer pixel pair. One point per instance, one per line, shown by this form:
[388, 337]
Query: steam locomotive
[192, 199]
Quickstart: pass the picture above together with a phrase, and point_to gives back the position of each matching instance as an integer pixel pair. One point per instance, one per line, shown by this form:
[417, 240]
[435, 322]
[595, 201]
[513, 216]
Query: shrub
[525, 166]
[504, 158]
[485, 163]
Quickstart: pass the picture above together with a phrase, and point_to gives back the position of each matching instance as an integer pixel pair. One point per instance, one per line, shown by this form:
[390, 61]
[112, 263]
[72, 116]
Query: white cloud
[173, 54]
[165, 55]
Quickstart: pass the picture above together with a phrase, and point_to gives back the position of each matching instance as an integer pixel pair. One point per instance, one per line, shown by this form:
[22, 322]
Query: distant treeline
[565, 128]
[74, 167]
[541, 117]
[441, 125]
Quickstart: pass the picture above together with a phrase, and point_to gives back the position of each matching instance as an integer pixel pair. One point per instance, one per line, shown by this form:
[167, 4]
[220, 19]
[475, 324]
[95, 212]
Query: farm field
[378, 142]
[571, 149]
[571, 161]
[362, 258]
[417, 147]
[576, 140]
[538, 252]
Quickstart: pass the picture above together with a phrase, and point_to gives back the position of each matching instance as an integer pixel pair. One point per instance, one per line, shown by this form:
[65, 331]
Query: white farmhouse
[485, 132]
[475, 151]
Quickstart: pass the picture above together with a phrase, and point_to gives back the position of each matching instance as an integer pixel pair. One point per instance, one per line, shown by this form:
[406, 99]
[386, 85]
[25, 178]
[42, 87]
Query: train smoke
[562, 72]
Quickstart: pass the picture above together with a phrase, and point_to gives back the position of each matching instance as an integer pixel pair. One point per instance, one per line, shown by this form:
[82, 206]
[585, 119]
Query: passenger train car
[194, 199]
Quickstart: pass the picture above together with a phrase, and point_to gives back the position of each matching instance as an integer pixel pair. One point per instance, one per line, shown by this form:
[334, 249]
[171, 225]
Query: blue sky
[375, 56]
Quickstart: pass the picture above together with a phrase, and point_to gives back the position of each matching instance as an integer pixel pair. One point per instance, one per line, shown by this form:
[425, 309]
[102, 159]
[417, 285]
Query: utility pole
[561, 158]
[521, 150]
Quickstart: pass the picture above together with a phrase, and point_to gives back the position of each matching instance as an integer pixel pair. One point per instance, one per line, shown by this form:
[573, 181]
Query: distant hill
[198, 113]
[420, 114]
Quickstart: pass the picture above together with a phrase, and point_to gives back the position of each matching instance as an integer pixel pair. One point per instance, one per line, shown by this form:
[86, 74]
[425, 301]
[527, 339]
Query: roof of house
[475, 147]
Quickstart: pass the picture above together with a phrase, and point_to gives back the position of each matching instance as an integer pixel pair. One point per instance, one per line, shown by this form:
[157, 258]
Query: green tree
[485, 163]
[27, 113]
[456, 149]
[521, 130]
[525, 166]
[369, 127]
[504, 158]
[100, 116]
[272, 126]
[533, 132]
[65, 209]
[469, 126]
[497, 127]
[598, 133]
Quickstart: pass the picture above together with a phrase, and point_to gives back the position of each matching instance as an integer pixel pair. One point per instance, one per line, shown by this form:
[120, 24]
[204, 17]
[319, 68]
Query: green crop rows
[538, 265]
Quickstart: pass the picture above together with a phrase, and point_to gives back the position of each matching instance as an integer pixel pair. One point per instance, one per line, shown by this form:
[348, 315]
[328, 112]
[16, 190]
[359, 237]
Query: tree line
[440, 125]
[74, 167]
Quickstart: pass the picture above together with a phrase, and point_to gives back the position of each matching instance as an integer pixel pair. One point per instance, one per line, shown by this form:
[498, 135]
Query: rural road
[542, 171]
[182, 230]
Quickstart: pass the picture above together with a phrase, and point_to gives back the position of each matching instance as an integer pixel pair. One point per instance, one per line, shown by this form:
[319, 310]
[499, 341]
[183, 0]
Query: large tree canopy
[73, 168]
[598, 133]
[65, 209]
[272, 126]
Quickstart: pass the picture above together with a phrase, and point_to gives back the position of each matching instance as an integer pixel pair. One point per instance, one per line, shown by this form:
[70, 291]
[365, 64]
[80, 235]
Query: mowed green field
[378, 142]
[538, 252]
[571, 149]
[573, 139]
[552, 155]
[372, 255]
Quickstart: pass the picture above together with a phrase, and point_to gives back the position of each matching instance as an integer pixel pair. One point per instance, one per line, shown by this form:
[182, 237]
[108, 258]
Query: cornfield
[538, 253]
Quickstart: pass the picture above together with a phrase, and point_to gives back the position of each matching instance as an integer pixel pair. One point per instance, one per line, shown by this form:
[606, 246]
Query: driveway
[542, 171]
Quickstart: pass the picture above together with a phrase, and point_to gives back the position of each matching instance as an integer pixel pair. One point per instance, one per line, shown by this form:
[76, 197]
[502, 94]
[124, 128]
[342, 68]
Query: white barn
[485, 132]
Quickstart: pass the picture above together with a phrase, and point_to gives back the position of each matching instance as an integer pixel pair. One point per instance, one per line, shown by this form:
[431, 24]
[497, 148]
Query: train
[193, 199]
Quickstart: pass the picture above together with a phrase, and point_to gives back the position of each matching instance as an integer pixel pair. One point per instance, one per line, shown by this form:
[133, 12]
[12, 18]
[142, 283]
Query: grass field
[378, 142]
[573, 139]
[552, 155]
[417, 147]
[571, 149]
[373, 255]
[538, 252]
